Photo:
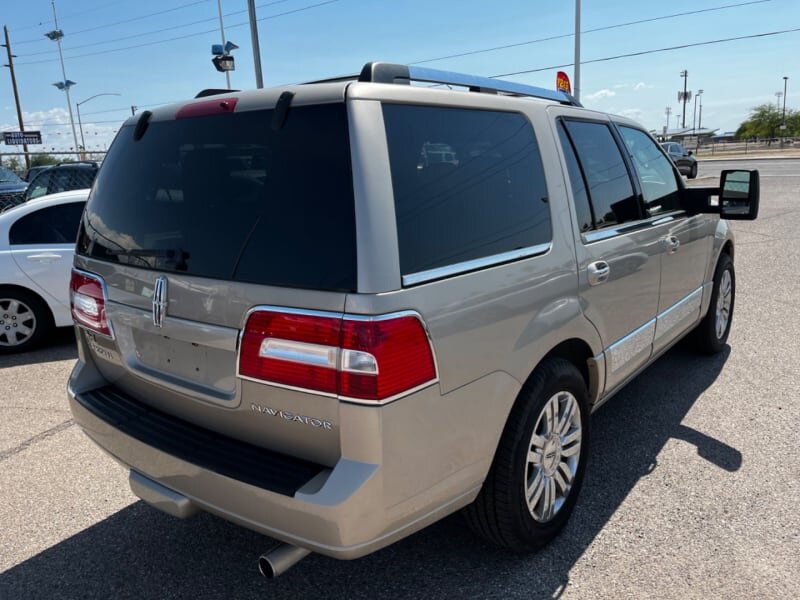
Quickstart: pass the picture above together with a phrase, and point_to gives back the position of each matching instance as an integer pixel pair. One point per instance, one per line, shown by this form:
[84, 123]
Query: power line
[69, 16]
[654, 51]
[188, 35]
[596, 29]
[147, 16]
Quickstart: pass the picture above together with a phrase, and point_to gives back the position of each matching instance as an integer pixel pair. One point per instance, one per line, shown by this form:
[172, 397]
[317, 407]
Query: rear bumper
[344, 512]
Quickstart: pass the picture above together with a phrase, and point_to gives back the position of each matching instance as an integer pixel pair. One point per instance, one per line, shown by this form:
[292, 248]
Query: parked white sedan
[37, 241]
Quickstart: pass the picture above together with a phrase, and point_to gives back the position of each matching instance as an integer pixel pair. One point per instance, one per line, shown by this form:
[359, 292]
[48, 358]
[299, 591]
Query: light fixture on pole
[78, 107]
[223, 61]
[65, 84]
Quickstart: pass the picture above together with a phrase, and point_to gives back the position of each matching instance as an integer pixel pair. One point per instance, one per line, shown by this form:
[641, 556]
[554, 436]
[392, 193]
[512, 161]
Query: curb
[737, 157]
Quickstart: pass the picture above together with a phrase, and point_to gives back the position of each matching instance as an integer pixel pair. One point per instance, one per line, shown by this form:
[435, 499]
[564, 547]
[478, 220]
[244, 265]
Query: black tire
[500, 514]
[693, 171]
[29, 312]
[708, 339]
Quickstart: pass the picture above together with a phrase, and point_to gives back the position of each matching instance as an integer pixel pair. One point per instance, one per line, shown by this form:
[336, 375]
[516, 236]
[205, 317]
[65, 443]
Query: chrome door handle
[598, 272]
[673, 244]
[44, 256]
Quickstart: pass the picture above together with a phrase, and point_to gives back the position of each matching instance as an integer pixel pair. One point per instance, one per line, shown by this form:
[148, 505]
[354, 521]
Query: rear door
[42, 244]
[618, 249]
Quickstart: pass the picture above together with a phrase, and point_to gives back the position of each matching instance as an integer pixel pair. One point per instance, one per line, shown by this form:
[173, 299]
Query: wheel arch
[21, 288]
[579, 353]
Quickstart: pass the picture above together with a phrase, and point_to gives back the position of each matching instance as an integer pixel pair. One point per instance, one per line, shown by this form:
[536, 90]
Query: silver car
[335, 313]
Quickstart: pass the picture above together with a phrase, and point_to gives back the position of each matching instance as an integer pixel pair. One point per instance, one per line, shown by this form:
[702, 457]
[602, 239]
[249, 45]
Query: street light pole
[694, 113]
[222, 33]
[78, 107]
[56, 35]
[577, 72]
[783, 120]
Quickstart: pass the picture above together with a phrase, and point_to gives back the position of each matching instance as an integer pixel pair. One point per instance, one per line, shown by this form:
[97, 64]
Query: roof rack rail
[380, 72]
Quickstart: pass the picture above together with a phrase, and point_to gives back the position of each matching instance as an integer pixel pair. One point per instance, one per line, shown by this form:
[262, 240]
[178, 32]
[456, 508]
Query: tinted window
[580, 196]
[610, 189]
[39, 185]
[655, 171]
[52, 225]
[75, 178]
[229, 197]
[467, 184]
[7, 176]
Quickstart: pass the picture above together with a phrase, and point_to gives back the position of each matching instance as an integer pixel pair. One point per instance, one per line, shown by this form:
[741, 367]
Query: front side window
[468, 184]
[51, 225]
[610, 190]
[656, 173]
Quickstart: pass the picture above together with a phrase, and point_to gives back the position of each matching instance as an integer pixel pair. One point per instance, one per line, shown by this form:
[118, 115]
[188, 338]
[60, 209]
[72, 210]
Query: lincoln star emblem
[160, 301]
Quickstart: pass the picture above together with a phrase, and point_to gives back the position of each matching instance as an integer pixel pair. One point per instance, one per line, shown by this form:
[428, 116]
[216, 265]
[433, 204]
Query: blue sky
[310, 39]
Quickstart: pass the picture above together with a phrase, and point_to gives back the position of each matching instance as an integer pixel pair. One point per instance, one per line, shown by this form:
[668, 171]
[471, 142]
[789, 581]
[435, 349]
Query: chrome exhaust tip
[280, 559]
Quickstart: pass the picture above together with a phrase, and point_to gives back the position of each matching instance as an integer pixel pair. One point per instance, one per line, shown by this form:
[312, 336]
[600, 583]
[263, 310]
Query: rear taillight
[376, 358]
[88, 302]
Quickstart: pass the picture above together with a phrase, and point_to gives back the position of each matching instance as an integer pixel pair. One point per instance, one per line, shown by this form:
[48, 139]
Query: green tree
[765, 122]
[40, 160]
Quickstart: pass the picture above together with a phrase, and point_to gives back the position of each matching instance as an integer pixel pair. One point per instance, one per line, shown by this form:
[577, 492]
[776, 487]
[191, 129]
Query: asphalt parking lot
[693, 487]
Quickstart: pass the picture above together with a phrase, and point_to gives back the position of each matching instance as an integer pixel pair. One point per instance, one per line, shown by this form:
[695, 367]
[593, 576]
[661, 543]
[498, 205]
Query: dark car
[683, 158]
[11, 188]
[62, 177]
[34, 171]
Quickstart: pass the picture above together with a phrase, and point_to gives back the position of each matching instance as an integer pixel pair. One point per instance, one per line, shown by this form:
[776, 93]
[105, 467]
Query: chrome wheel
[17, 322]
[724, 298]
[553, 455]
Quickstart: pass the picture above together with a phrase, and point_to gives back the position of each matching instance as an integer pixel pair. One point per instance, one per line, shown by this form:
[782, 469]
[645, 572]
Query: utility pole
[133, 109]
[10, 65]
[669, 112]
[685, 75]
[576, 92]
[251, 10]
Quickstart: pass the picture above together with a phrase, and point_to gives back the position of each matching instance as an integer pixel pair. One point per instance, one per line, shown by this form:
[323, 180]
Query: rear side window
[610, 189]
[229, 197]
[51, 225]
[468, 184]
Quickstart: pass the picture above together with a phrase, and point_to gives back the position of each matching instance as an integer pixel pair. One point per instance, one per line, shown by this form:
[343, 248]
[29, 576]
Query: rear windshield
[229, 197]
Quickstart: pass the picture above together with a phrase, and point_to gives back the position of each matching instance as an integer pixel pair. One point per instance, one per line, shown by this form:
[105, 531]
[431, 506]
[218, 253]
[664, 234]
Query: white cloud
[605, 93]
[642, 86]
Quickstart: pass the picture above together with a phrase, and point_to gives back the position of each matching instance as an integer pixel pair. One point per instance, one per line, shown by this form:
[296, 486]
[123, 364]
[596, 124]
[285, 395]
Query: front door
[618, 247]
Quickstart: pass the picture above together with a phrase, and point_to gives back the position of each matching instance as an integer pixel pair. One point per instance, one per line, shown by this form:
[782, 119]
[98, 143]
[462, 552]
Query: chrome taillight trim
[346, 317]
[104, 290]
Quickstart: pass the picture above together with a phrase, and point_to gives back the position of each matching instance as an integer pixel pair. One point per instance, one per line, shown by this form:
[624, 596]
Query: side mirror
[738, 195]
[689, 153]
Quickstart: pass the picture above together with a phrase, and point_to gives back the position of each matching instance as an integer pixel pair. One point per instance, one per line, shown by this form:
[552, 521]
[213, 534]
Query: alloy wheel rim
[724, 298]
[17, 322]
[553, 455]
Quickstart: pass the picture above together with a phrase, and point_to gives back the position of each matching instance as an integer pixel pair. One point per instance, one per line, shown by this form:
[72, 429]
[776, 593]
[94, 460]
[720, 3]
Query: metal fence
[16, 161]
[775, 146]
